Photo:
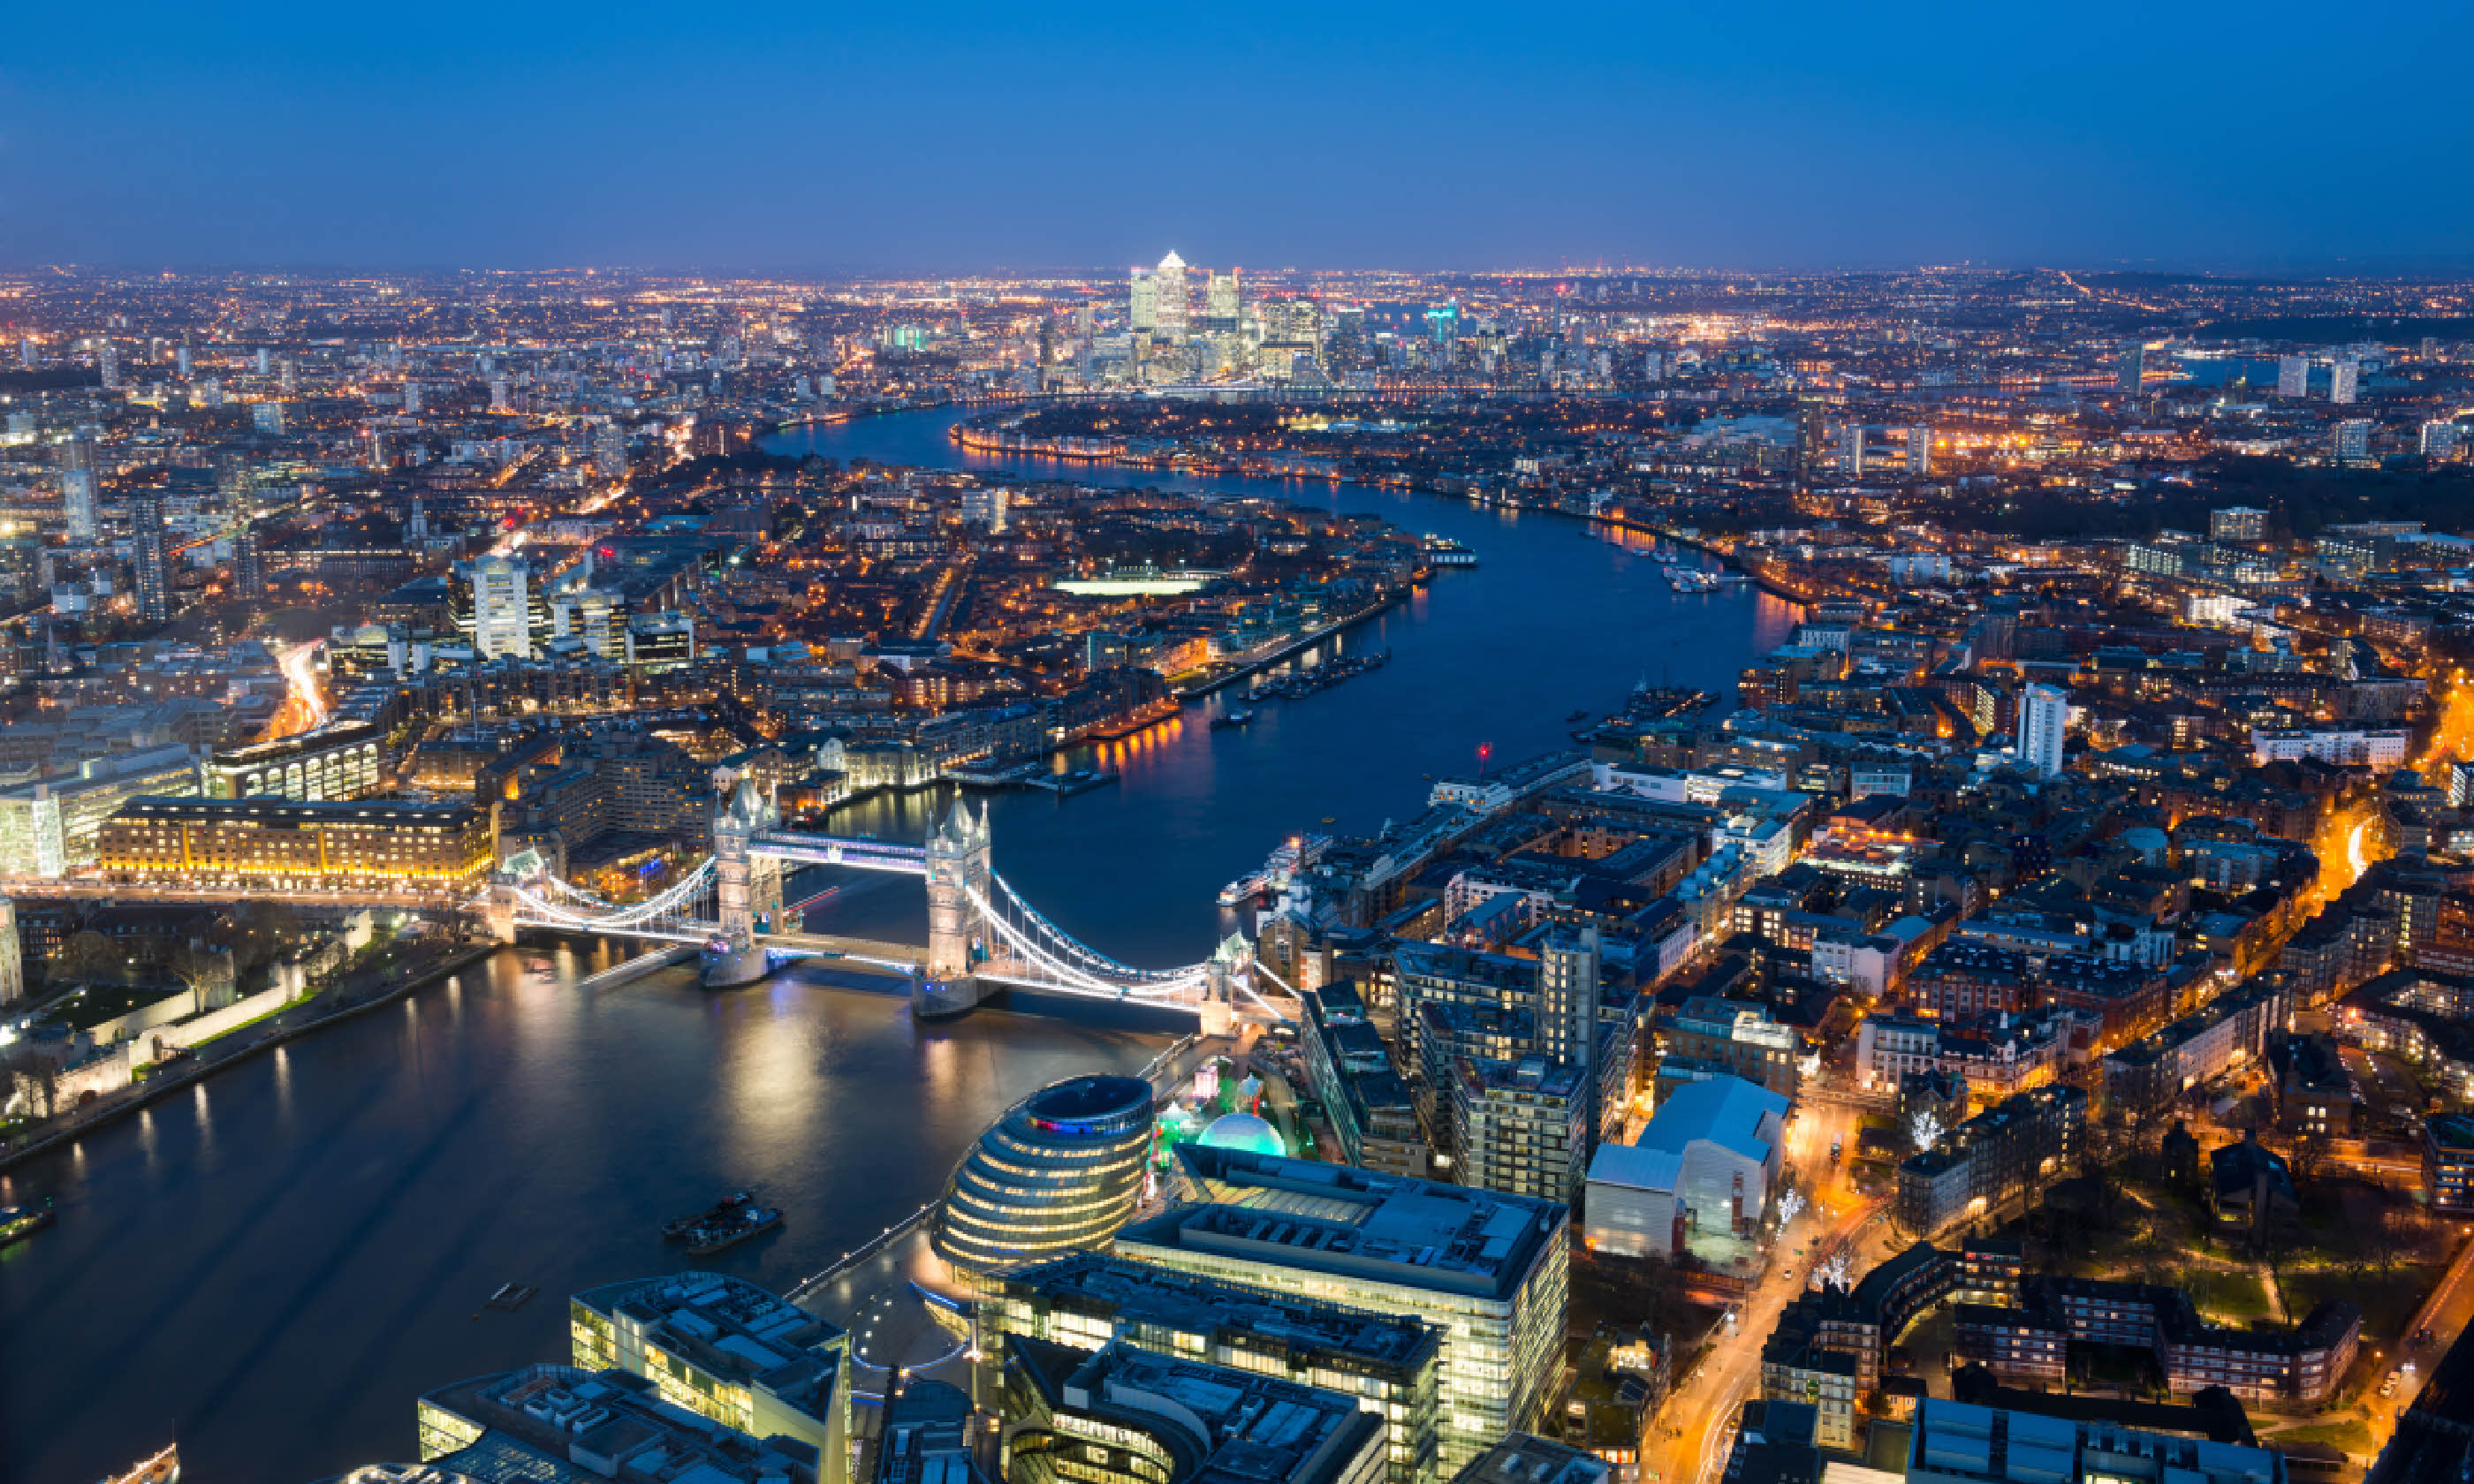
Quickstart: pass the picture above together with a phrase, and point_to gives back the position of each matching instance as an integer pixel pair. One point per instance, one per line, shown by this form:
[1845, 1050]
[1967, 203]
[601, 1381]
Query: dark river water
[1554, 619]
[271, 1268]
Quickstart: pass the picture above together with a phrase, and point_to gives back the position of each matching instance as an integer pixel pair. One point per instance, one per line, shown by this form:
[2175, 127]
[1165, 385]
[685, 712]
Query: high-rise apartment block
[495, 601]
[1523, 1127]
[2044, 720]
[153, 549]
[2344, 382]
[2293, 375]
[2239, 523]
[2349, 441]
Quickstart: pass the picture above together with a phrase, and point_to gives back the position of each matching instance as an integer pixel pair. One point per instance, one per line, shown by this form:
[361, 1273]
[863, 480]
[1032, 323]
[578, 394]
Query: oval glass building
[1058, 1173]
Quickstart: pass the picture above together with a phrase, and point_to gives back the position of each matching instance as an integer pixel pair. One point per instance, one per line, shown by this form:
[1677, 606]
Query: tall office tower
[609, 451]
[1653, 368]
[265, 361]
[1812, 426]
[107, 365]
[154, 575]
[181, 361]
[2344, 381]
[1220, 304]
[1085, 319]
[249, 574]
[2441, 438]
[412, 399]
[2129, 365]
[1851, 449]
[1173, 304]
[12, 964]
[287, 375]
[499, 394]
[1920, 449]
[1142, 303]
[2044, 717]
[499, 595]
[78, 488]
[2350, 440]
[2293, 375]
[28, 356]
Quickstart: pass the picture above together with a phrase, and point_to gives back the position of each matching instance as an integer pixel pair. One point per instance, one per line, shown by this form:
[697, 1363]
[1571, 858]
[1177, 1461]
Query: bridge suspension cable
[1067, 945]
[614, 917]
[1026, 945]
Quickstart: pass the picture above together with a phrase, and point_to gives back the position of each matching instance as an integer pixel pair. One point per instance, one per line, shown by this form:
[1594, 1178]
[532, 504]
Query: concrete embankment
[155, 1089]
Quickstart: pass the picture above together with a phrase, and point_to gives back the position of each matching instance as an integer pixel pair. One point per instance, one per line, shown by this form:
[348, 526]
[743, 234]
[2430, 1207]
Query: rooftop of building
[2451, 1130]
[1392, 1228]
[1728, 1112]
[1526, 1458]
[1536, 1075]
[1256, 1429]
[730, 1328]
[2213, 1413]
[295, 813]
[1958, 1440]
[1194, 1303]
[339, 733]
[614, 1425]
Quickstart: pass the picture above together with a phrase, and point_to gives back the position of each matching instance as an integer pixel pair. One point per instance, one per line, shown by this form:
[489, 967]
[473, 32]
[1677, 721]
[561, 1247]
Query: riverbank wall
[1294, 647]
[156, 1088]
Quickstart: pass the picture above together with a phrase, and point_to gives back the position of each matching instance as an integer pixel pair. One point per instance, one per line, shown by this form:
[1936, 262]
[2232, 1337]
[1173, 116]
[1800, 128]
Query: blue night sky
[962, 136]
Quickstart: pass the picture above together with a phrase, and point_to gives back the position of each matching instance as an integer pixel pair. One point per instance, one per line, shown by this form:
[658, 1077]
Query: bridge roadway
[867, 955]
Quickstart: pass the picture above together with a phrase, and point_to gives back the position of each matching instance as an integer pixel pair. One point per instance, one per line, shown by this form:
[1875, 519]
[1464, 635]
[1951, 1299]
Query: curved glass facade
[1060, 1172]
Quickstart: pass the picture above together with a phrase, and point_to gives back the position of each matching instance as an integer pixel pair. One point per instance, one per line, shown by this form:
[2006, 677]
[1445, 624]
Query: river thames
[1554, 619]
[271, 1268]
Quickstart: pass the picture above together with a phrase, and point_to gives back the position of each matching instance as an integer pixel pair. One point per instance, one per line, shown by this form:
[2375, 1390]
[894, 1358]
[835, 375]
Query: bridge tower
[1231, 961]
[746, 887]
[498, 910]
[957, 870]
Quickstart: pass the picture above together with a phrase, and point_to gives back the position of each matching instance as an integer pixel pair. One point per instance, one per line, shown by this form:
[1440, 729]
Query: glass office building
[1491, 1269]
[1060, 1172]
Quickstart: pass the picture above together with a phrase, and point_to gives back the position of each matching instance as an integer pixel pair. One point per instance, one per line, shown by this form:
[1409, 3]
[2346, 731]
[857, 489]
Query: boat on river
[1081, 781]
[708, 1237]
[1236, 718]
[728, 1205]
[19, 1222]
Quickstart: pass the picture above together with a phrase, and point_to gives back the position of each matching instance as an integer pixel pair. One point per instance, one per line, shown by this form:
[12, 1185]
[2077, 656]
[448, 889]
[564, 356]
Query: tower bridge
[982, 934]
